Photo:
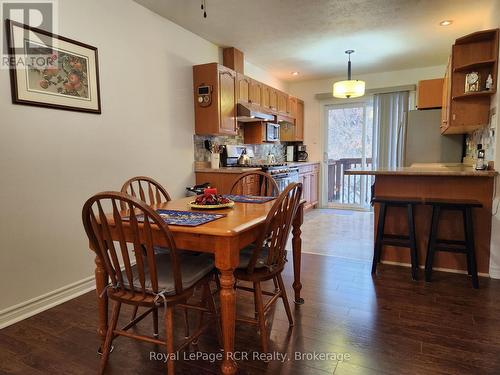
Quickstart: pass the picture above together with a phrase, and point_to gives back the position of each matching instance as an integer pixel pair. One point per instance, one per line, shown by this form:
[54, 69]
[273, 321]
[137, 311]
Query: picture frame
[51, 71]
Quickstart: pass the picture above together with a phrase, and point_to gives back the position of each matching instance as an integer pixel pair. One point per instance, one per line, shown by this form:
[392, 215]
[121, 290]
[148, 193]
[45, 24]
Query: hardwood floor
[387, 325]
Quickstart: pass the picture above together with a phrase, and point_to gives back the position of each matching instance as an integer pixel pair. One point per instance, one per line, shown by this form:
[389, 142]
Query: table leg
[297, 253]
[101, 280]
[228, 319]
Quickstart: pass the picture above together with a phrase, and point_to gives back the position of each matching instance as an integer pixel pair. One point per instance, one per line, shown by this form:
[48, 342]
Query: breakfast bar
[435, 181]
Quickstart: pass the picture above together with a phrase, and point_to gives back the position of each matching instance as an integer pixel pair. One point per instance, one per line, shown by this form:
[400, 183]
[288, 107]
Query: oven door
[285, 179]
[272, 132]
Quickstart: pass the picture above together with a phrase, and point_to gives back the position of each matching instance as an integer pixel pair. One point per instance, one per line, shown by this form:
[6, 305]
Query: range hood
[247, 114]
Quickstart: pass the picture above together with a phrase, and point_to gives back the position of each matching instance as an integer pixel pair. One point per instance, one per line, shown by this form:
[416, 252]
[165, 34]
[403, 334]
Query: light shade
[349, 89]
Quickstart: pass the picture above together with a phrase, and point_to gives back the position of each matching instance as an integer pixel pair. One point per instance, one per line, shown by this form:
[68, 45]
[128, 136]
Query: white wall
[264, 76]
[51, 161]
[307, 90]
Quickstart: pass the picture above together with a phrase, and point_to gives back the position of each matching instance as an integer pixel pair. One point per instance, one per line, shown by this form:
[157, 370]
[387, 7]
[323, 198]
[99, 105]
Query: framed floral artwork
[52, 71]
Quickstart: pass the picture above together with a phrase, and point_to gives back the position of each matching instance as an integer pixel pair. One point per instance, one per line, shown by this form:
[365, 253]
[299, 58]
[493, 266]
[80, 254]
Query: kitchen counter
[236, 170]
[430, 169]
[301, 163]
[442, 181]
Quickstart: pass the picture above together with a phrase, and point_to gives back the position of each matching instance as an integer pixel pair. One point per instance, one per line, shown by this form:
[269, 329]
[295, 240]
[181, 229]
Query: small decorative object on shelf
[480, 164]
[489, 82]
[472, 82]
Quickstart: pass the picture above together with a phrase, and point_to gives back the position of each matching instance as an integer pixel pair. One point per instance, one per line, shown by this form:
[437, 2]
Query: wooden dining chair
[246, 183]
[265, 259]
[146, 189]
[155, 280]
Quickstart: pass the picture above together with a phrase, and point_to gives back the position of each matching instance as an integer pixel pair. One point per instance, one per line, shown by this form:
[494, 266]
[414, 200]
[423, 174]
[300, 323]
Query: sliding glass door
[348, 144]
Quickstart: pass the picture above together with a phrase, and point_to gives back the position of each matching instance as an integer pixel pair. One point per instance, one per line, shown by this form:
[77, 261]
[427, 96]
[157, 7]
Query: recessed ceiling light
[445, 23]
[295, 73]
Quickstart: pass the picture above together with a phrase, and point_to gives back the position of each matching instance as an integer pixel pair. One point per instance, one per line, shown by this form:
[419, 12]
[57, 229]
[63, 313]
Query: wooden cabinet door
[287, 132]
[227, 101]
[282, 102]
[306, 187]
[314, 184]
[273, 99]
[299, 121]
[242, 88]
[266, 91]
[291, 106]
[445, 111]
[430, 93]
[255, 92]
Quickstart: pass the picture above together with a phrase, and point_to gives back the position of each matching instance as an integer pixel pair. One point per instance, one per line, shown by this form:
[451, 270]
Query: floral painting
[67, 74]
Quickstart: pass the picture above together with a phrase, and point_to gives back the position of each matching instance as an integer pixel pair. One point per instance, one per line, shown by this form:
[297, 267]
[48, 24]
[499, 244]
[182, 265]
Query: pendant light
[351, 88]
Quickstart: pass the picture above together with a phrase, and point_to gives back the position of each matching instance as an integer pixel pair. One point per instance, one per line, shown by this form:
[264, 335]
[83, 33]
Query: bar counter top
[430, 169]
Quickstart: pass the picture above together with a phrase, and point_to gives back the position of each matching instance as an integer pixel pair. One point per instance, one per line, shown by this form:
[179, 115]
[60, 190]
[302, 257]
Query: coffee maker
[300, 153]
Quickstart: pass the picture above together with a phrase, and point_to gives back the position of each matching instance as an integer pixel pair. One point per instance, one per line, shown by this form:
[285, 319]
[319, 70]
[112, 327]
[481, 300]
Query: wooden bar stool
[465, 246]
[404, 240]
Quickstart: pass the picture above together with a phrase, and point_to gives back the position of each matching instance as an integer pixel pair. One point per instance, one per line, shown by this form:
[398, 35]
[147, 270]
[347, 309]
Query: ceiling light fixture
[295, 73]
[351, 88]
[445, 23]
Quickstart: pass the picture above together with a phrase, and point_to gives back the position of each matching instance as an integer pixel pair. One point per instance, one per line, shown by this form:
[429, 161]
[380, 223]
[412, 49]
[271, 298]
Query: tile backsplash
[485, 137]
[260, 151]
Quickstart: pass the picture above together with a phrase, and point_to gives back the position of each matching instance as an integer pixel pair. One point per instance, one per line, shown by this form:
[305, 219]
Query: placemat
[184, 218]
[248, 198]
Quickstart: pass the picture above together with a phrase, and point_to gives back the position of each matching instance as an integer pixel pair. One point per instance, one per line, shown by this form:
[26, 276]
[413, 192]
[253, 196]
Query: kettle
[244, 159]
[271, 159]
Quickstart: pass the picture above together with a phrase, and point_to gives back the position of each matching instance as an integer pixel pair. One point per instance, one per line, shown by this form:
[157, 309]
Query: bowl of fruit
[210, 200]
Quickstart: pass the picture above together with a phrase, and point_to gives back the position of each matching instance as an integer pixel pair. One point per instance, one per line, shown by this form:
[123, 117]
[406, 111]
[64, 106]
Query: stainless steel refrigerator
[424, 142]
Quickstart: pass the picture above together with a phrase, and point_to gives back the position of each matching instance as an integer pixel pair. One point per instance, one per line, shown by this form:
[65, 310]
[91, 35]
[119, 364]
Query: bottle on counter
[480, 163]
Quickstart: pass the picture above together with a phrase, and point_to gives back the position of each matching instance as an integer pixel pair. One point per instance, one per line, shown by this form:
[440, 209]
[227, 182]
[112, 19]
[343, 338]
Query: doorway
[348, 145]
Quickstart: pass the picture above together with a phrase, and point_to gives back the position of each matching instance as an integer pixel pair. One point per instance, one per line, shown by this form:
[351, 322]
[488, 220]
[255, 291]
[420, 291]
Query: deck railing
[348, 189]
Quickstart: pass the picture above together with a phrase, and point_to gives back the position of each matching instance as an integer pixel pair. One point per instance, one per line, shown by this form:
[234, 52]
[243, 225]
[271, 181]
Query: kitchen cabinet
[243, 85]
[273, 99]
[446, 97]
[282, 102]
[430, 93]
[287, 131]
[467, 112]
[299, 121]
[309, 177]
[214, 99]
[255, 92]
[266, 91]
[291, 106]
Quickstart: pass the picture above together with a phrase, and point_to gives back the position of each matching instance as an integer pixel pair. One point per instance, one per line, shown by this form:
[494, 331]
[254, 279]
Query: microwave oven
[272, 132]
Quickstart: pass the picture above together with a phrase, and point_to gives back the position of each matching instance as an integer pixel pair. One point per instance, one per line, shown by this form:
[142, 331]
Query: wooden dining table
[224, 238]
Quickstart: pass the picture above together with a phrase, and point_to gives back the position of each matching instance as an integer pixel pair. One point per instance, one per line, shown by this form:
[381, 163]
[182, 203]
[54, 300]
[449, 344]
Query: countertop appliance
[272, 132]
[231, 153]
[301, 153]
[424, 142]
[290, 153]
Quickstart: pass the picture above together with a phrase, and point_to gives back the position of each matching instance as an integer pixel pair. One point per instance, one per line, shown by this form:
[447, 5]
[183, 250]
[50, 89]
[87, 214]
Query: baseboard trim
[44, 302]
[435, 268]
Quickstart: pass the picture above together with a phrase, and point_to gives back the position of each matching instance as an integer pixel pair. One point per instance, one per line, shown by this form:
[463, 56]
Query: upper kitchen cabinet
[243, 85]
[266, 91]
[291, 106]
[474, 58]
[299, 121]
[214, 99]
[446, 97]
[282, 102]
[256, 92]
[273, 99]
[430, 92]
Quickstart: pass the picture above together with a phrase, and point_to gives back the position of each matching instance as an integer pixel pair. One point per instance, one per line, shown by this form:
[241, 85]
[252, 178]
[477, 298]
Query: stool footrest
[396, 240]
